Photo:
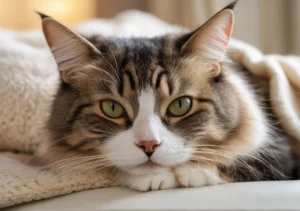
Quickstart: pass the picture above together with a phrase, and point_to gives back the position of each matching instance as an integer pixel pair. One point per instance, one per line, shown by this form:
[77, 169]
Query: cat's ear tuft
[231, 6]
[69, 49]
[210, 41]
[42, 15]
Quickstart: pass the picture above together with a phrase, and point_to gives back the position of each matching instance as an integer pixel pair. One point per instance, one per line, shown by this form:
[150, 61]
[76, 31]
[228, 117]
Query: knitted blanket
[28, 82]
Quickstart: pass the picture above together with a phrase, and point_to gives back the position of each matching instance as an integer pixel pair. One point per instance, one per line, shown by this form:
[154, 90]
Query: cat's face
[157, 112]
[144, 103]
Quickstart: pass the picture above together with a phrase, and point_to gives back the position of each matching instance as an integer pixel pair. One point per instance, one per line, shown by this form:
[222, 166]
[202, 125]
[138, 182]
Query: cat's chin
[145, 168]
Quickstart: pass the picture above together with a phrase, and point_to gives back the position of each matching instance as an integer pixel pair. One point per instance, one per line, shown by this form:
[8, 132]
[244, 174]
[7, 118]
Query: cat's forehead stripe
[139, 60]
[131, 80]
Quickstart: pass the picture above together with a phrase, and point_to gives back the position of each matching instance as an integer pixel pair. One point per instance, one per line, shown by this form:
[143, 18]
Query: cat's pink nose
[148, 146]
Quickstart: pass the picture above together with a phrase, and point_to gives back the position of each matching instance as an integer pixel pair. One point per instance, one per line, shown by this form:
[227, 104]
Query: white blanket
[28, 79]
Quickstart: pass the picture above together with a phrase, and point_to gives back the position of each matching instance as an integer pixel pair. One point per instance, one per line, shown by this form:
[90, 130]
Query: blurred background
[271, 25]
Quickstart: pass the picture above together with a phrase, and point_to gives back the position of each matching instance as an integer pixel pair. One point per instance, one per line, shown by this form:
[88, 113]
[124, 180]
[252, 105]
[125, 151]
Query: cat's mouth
[149, 164]
[147, 167]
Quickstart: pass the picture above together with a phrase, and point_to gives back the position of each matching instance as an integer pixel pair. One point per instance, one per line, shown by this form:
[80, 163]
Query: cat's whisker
[261, 160]
[102, 71]
[96, 165]
[114, 171]
[236, 160]
[102, 79]
[73, 159]
[111, 66]
[45, 147]
[115, 60]
[91, 162]
[85, 168]
[67, 163]
[76, 158]
[66, 170]
[202, 158]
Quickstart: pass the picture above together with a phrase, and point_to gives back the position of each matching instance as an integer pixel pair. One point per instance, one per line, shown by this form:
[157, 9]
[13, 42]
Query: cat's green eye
[112, 109]
[180, 106]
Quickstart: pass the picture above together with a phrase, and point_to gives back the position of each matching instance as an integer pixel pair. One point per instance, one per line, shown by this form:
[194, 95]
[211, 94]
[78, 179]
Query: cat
[164, 112]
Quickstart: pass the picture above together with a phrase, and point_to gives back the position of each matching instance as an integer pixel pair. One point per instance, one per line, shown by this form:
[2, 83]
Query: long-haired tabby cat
[166, 112]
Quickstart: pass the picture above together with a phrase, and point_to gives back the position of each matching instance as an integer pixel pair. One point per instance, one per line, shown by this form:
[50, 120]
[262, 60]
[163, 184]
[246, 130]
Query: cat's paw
[197, 176]
[161, 181]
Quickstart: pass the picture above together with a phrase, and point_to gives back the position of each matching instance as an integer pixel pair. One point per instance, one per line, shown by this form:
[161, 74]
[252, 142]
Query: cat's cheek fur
[122, 151]
[195, 175]
[172, 151]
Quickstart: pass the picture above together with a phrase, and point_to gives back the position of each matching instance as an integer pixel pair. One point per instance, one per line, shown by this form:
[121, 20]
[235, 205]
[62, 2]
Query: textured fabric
[283, 72]
[28, 81]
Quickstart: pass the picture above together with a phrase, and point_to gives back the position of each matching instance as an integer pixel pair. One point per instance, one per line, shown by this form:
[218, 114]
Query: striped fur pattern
[228, 135]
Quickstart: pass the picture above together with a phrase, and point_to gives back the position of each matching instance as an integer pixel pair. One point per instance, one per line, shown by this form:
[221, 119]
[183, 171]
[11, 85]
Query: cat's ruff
[27, 84]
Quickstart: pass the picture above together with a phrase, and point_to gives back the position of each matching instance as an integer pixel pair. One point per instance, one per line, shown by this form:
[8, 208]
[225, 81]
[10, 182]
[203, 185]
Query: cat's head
[146, 103]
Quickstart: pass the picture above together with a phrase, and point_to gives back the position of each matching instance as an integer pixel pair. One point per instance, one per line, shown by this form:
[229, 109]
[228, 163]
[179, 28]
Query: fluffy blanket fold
[28, 79]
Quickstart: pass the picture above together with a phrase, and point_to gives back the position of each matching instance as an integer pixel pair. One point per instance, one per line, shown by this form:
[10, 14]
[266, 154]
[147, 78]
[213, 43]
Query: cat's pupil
[113, 106]
[180, 103]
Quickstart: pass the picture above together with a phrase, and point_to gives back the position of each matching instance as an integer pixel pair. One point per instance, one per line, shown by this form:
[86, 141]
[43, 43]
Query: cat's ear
[210, 41]
[69, 49]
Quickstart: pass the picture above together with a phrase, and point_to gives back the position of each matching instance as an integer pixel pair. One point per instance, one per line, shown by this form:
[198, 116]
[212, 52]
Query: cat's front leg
[149, 182]
[195, 175]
